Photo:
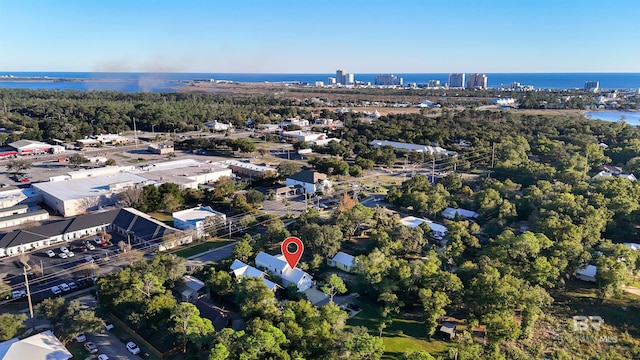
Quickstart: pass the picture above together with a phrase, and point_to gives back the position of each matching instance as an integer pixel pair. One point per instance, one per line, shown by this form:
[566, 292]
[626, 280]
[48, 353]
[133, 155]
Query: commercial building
[592, 86]
[186, 173]
[11, 196]
[161, 149]
[73, 196]
[477, 81]
[23, 218]
[388, 80]
[430, 150]
[456, 80]
[31, 147]
[311, 181]
[197, 219]
[301, 135]
[278, 266]
[246, 168]
[504, 101]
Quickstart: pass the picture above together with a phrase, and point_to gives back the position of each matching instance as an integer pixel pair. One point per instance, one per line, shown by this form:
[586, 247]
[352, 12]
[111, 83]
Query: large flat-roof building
[187, 173]
[70, 197]
[32, 147]
[246, 168]
[11, 196]
[302, 135]
[430, 150]
[196, 219]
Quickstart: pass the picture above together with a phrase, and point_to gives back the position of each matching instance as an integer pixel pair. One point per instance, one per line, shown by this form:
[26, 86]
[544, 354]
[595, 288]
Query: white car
[64, 249]
[72, 285]
[64, 287]
[108, 325]
[81, 338]
[50, 253]
[63, 255]
[90, 246]
[103, 357]
[71, 254]
[15, 294]
[56, 290]
[133, 348]
[97, 240]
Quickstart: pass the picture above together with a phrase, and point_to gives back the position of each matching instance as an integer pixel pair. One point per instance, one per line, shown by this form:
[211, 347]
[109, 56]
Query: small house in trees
[587, 273]
[240, 270]
[451, 213]
[191, 289]
[343, 261]
[278, 266]
[437, 231]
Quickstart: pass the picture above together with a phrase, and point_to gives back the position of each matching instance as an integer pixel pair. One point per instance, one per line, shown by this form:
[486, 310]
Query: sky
[299, 36]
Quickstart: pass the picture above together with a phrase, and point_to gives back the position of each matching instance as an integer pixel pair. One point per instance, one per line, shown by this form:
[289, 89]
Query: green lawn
[122, 155]
[165, 218]
[405, 333]
[77, 350]
[200, 248]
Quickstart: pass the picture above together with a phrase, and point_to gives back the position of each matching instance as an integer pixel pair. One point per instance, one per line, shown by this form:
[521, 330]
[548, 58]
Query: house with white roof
[451, 213]
[343, 261]
[42, 346]
[437, 230]
[607, 175]
[196, 219]
[587, 273]
[277, 265]
[240, 269]
[429, 150]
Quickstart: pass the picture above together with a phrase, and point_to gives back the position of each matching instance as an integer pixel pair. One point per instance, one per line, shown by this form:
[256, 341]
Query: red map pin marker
[292, 257]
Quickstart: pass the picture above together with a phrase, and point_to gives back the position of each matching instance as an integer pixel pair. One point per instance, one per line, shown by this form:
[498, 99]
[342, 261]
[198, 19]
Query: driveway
[110, 345]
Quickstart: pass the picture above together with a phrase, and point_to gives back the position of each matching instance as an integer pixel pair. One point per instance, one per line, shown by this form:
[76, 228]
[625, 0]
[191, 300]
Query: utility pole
[41, 267]
[493, 154]
[433, 169]
[586, 163]
[26, 283]
[135, 133]
[229, 229]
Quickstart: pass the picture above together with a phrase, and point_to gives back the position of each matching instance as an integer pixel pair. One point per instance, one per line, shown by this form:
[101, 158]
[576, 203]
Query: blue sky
[302, 36]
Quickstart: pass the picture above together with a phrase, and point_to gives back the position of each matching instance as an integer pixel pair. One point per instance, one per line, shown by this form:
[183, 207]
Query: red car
[25, 180]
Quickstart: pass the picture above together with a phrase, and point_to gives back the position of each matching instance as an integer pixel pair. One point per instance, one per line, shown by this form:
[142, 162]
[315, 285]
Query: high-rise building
[591, 85]
[340, 76]
[477, 81]
[344, 78]
[331, 81]
[456, 80]
[388, 79]
[433, 83]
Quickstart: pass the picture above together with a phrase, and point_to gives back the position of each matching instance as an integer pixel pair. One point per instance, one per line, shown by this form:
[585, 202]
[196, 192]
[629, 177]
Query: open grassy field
[406, 333]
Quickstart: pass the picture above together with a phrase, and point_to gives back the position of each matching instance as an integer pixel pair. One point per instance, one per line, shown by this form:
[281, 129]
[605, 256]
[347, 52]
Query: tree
[11, 325]
[333, 285]
[219, 352]
[5, 289]
[364, 346]
[255, 299]
[77, 160]
[276, 232]
[501, 326]
[239, 203]
[254, 197]
[18, 166]
[131, 197]
[170, 203]
[324, 240]
[434, 303]
[189, 326]
[243, 250]
[68, 319]
[417, 355]
[110, 162]
[355, 171]
[149, 285]
[287, 168]
[219, 282]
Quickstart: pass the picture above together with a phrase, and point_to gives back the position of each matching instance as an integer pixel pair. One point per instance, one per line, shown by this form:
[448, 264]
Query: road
[214, 255]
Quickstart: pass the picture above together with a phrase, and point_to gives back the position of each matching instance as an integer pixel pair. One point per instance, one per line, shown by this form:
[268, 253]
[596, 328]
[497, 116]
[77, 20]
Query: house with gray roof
[310, 180]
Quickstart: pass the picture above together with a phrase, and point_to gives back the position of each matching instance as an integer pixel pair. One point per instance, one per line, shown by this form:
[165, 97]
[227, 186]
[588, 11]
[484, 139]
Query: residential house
[278, 266]
[451, 213]
[240, 270]
[191, 289]
[437, 231]
[587, 273]
[343, 261]
[310, 180]
[42, 346]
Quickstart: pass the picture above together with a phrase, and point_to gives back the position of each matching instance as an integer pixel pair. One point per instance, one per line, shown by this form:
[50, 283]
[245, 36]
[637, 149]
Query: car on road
[16, 294]
[72, 285]
[103, 357]
[90, 347]
[56, 290]
[71, 254]
[63, 255]
[81, 338]
[108, 325]
[133, 348]
[64, 287]
[50, 253]
[64, 249]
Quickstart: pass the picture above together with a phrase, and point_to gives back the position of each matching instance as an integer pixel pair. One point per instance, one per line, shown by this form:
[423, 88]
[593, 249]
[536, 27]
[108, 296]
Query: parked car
[56, 290]
[91, 347]
[133, 348]
[72, 285]
[97, 240]
[16, 294]
[50, 253]
[63, 255]
[103, 357]
[70, 254]
[64, 287]
[64, 249]
[108, 325]
[90, 247]
[81, 338]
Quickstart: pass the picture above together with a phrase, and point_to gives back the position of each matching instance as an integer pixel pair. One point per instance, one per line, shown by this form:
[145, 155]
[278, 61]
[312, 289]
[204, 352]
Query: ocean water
[161, 82]
[630, 117]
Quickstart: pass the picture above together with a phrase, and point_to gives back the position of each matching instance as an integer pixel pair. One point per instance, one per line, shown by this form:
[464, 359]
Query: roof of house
[142, 225]
[451, 212]
[412, 221]
[280, 264]
[345, 259]
[308, 176]
[634, 246]
[42, 346]
[448, 328]
[588, 271]
[192, 283]
[196, 214]
[13, 208]
[25, 143]
[241, 269]
[612, 168]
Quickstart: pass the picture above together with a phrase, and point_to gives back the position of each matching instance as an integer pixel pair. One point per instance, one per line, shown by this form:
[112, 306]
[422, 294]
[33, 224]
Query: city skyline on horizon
[311, 38]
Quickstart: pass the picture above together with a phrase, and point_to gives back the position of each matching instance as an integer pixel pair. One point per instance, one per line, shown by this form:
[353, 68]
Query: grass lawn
[200, 248]
[77, 350]
[122, 155]
[165, 218]
[405, 333]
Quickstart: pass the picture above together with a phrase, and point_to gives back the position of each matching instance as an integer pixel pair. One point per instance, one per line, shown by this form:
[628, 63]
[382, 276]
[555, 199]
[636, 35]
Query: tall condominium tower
[477, 81]
[456, 80]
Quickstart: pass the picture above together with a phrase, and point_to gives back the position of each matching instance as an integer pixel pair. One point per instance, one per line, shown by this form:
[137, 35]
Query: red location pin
[292, 257]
